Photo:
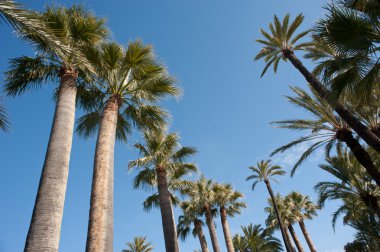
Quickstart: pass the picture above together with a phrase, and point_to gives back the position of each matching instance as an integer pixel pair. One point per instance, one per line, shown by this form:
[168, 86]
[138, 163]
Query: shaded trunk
[100, 227]
[212, 230]
[167, 216]
[307, 236]
[295, 238]
[360, 153]
[280, 223]
[226, 230]
[45, 226]
[364, 132]
[289, 241]
[201, 236]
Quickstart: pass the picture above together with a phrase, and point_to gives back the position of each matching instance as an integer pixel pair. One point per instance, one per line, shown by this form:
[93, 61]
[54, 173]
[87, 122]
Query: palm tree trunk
[364, 132]
[212, 230]
[289, 241]
[280, 223]
[201, 236]
[45, 226]
[307, 236]
[295, 238]
[226, 230]
[100, 227]
[167, 216]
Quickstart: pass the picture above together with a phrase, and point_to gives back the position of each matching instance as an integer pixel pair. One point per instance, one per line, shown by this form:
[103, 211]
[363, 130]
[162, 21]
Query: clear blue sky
[209, 46]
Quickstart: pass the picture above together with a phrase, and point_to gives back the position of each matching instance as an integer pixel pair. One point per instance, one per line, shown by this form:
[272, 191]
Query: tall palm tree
[326, 129]
[302, 208]
[75, 27]
[139, 244]
[229, 202]
[161, 155]
[281, 44]
[264, 171]
[130, 80]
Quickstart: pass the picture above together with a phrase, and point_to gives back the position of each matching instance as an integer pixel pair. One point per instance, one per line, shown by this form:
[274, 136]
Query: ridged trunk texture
[201, 236]
[45, 226]
[289, 241]
[167, 216]
[364, 132]
[212, 230]
[100, 227]
[226, 230]
[280, 223]
[307, 236]
[295, 238]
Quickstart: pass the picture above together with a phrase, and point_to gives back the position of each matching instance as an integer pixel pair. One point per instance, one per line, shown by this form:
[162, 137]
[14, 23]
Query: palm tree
[302, 208]
[75, 27]
[4, 122]
[256, 239]
[228, 201]
[129, 81]
[139, 244]
[265, 171]
[281, 44]
[326, 129]
[162, 155]
[191, 216]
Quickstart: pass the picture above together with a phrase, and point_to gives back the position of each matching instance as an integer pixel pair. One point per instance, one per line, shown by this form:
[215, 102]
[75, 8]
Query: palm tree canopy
[228, 199]
[186, 221]
[139, 244]
[301, 206]
[285, 211]
[264, 171]
[4, 121]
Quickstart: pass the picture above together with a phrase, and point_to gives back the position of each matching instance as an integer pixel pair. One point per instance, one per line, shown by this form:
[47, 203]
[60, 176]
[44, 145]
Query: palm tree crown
[139, 244]
[264, 171]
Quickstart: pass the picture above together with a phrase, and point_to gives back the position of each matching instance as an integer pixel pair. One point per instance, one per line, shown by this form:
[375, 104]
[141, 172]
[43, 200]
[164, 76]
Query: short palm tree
[75, 27]
[130, 80]
[229, 202]
[264, 171]
[281, 44]
[139, 244]
[162, 158]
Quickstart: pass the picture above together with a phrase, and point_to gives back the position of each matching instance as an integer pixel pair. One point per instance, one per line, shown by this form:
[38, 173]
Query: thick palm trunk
[167, 216]
[45, 227]
[100, 227]
[307, 236]
[201, 236]
[295, 238]
[280, 223]
[289, 241]
[212, 230]
[226, 230]
[364, 132]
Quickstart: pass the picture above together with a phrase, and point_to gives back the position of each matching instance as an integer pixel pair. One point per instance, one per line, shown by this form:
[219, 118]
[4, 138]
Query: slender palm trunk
[226, 230]
[364, 132]
[280, 223]
[307, 236]
[289, 241]
[212, 230]
[295, 238]
[167, 216]
[201, 236]
[100, 227]
[45, 226]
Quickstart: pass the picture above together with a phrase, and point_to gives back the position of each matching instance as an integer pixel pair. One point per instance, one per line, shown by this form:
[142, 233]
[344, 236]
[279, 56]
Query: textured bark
[289, 241]
[212, 230]
[226, 230]
[167, 216]
[307, 236]
[364, 132]
[295, 238]
[280, 223]
[201, 236]
[100, 227]
[45, 227]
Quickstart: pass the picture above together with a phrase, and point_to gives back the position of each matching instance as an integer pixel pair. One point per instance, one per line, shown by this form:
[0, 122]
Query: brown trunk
[212, 230]
[295, 238]
[100, 227]
[167, 216]
[201, 236]
[280, 223]
[289, 241]
[364, 132]
[45, 226]
[226, 230]
[307, 236]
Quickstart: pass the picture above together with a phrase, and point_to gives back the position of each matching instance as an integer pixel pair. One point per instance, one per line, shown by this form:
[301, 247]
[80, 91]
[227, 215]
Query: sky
[225, 112]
